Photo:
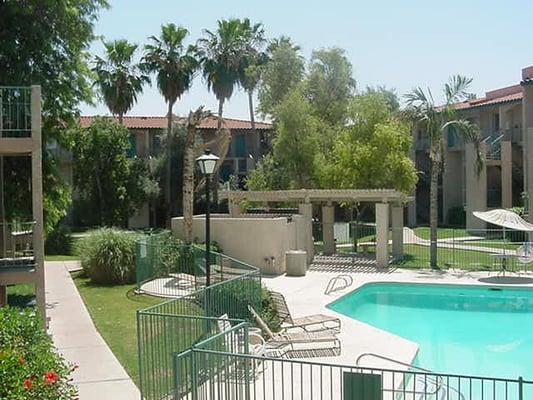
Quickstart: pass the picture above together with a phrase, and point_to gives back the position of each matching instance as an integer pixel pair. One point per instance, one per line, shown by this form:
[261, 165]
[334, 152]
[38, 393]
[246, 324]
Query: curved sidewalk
[99, 374]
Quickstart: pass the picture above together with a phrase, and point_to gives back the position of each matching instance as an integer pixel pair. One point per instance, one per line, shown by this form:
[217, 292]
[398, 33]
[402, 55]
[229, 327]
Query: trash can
[296, 262]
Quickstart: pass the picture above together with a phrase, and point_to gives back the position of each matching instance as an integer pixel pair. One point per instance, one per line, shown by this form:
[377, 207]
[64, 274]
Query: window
[132, 151]
[452, 136]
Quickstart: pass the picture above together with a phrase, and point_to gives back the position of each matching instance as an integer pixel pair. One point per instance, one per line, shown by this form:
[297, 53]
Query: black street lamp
[207, 163]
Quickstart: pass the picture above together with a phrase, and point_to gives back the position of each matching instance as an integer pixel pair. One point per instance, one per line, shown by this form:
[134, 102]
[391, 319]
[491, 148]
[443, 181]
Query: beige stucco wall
[259, 241]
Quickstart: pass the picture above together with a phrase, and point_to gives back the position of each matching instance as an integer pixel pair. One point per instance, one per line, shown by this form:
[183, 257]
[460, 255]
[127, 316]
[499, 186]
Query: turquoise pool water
[471, 330]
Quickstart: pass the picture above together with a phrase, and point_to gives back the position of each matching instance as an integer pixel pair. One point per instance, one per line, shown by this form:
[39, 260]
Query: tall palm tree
[252, 64]
[436, 120]
[174, 65]
[119, 78]
[221, 54]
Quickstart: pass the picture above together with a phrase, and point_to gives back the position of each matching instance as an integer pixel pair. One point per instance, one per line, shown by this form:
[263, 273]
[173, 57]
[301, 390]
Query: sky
[399, 44]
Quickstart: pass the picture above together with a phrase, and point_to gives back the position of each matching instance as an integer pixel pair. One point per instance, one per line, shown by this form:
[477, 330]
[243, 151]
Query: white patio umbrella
[505, 218]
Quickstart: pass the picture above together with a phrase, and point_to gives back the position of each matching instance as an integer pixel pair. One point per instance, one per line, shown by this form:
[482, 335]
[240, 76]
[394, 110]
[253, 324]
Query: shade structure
[505, 218]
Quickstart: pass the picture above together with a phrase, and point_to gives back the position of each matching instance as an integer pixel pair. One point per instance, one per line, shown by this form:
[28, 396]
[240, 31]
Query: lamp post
[207, 163]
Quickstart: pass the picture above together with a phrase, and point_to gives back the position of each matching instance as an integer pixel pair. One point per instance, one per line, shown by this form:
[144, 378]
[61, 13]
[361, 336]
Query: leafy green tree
[330, 84]
[174, 65]
[45, 42]
[295, 146]
[221, 55]
[373, 152]
[393, 102]
[436, 120]
[118, 77]
[112, 185]
[283, 72]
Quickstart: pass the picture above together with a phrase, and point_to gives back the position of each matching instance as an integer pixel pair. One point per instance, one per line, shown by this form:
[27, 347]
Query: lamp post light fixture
[207, 163]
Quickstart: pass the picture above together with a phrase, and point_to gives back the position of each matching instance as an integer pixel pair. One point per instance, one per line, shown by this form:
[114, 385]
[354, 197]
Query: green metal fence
[232, 375]
[178, 324]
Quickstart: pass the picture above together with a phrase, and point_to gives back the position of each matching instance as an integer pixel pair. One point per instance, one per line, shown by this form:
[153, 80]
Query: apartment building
[505, 118]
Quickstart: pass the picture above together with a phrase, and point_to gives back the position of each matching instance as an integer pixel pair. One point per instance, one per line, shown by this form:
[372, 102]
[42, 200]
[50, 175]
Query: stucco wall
[261, 242]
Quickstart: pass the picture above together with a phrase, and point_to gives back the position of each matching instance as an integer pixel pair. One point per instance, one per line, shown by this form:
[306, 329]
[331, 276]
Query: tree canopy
[44, 42]
[111, 184]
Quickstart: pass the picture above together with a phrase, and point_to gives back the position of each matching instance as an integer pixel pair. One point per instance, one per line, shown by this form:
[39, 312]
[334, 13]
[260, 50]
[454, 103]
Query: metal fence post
[194, 374]
[520, 388]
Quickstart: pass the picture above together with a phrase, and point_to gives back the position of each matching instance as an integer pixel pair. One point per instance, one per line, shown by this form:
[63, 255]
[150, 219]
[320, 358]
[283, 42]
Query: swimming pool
[471, 330]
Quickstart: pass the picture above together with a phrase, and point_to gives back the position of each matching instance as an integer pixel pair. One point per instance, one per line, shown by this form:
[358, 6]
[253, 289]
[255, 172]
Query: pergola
[387, 202]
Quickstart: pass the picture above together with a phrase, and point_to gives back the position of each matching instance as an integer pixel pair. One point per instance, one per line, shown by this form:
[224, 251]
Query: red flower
[50, 377]
[28, 384]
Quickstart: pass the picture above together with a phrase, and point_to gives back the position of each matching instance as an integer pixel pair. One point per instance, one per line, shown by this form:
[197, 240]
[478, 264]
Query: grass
[20, 295]
[113, 311]
[63, 257]
[442, 233]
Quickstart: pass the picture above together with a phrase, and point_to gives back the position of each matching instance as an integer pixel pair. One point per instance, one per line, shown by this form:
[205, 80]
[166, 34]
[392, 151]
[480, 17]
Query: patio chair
[308, 323]
[299, 344]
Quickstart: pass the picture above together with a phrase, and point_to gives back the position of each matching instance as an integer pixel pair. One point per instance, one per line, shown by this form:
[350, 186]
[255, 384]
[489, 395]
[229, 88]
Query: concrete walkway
[99, 374]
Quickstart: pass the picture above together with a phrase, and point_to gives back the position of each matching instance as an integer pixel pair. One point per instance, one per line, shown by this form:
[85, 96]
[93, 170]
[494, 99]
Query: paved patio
[99, 374]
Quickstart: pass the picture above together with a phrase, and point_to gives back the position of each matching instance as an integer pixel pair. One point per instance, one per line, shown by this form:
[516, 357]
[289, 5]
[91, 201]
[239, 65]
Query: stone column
[382, 235]
[397, 230]
[328, 234]
[507, 173]
[37, 199]
[476, 187]
[306, 211]
[234, 207]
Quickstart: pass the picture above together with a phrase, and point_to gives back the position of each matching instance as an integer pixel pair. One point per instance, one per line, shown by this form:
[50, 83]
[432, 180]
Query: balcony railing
[15, 112]
[16, 245]
[493, 145]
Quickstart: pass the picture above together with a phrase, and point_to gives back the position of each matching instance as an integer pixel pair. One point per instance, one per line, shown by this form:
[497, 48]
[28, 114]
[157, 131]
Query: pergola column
[397, 230]
[328, 234]
[306, 211]
[382, 235]
[234, 207]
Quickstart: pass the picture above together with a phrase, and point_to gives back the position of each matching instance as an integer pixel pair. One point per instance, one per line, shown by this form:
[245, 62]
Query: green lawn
[60, 258]
[442, 233]
[20, 295]
[113, 310]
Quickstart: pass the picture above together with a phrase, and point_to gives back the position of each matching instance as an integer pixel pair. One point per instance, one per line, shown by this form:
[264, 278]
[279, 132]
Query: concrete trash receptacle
[296, 262]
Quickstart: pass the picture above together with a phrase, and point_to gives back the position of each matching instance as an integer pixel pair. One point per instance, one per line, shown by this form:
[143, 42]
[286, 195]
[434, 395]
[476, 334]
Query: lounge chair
[298, 344]
[309, 323]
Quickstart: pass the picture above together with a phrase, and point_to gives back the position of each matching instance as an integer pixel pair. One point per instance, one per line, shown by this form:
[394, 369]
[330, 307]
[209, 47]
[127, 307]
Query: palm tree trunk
[433, 211]
[262, 147]
[121, 119]
[220, 109]
[168, 190]
[188, 183]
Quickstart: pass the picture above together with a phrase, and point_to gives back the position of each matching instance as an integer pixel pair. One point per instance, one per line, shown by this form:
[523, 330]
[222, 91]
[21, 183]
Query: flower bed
[29, 366]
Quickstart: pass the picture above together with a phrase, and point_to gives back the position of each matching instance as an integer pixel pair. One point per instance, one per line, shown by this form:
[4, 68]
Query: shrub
[29, 366]
[108, 255]
[457, 217]
[58, 241]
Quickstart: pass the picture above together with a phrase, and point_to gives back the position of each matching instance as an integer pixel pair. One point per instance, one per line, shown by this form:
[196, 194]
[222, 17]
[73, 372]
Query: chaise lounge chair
[309, 323]
[298, 344]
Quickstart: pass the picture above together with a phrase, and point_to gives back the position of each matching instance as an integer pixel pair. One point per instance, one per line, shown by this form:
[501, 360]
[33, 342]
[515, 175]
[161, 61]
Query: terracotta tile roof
[498, 96]
[153, 122]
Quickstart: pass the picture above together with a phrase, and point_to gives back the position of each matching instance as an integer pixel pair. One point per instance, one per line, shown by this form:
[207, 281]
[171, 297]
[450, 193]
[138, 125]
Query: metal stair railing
[346, 279]
[435, 379]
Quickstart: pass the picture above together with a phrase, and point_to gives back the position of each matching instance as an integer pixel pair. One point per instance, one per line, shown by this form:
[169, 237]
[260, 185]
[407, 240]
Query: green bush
[58, 241]
[457, 217]
[29, 366]
[108, 255]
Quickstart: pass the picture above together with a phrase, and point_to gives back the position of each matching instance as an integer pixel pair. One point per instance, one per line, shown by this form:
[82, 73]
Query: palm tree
[221, 55]
[437, 120]
[174, 65]
[193, 121]
[252, 64]
[120, 79]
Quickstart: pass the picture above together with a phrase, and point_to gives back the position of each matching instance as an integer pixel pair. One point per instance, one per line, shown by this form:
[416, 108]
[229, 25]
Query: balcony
[493, 145]
[16, 246]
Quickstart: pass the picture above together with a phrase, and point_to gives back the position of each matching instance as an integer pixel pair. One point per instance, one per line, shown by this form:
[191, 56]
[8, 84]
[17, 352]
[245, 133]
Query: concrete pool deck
[305, 295]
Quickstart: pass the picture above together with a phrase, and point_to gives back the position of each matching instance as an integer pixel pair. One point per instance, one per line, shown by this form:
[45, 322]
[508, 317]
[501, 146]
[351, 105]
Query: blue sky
[400, 44]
